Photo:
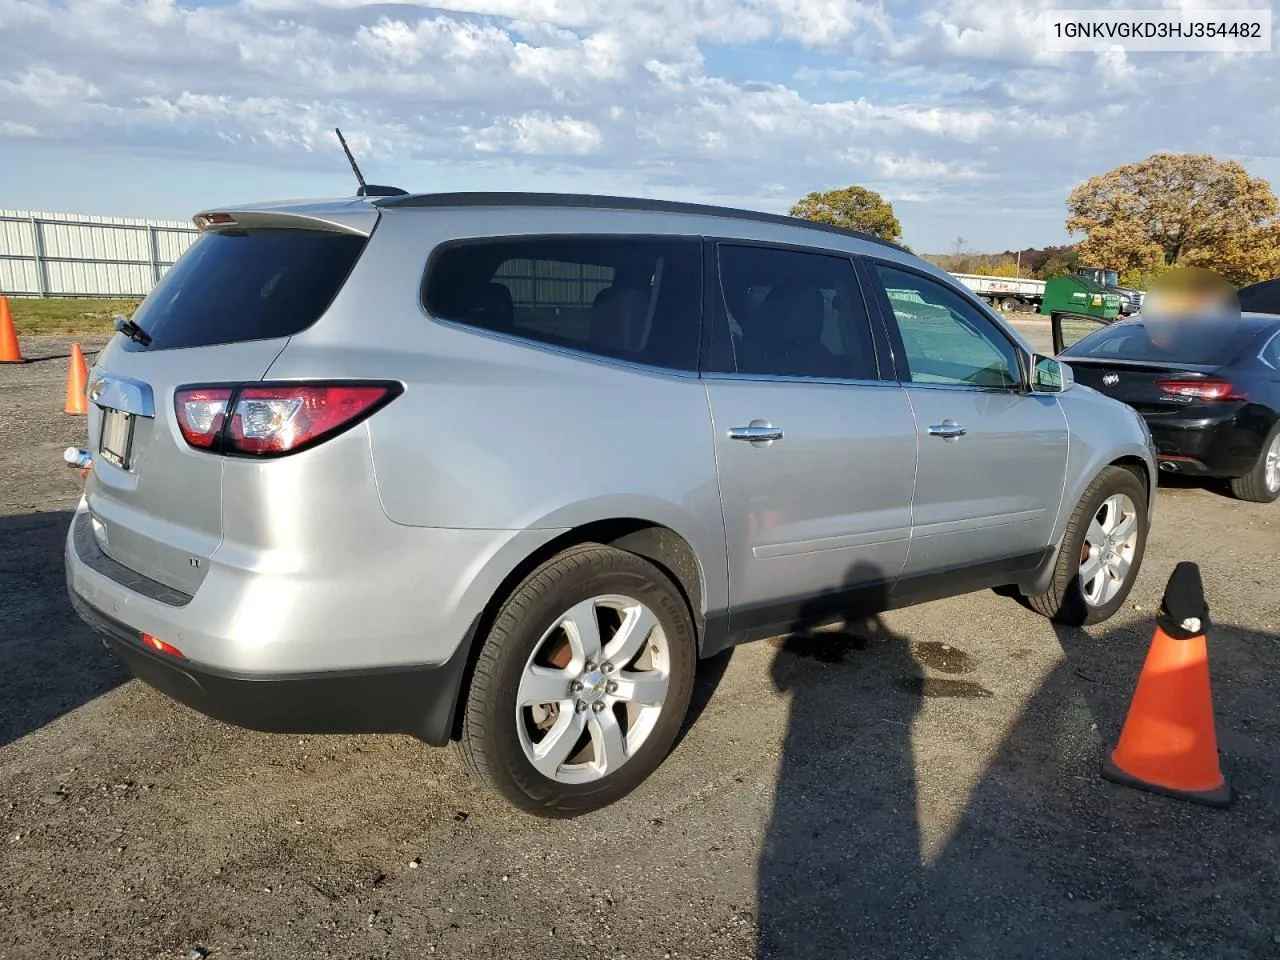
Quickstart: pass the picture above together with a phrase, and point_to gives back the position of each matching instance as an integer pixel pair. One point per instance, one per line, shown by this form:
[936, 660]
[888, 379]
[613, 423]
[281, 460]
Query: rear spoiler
[358, 218]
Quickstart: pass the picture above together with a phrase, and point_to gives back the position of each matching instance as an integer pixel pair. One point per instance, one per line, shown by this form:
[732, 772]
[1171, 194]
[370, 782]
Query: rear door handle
[948, 430]
[756, 433]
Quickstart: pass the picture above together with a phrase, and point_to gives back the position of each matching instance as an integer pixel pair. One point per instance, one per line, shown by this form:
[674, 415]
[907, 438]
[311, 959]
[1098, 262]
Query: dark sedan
[1210, 393]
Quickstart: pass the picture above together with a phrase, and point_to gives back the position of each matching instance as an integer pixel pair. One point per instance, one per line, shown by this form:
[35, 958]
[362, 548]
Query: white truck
[1004, 293]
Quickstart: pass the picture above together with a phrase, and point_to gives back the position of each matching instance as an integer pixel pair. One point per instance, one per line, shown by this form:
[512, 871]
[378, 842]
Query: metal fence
[72, 255]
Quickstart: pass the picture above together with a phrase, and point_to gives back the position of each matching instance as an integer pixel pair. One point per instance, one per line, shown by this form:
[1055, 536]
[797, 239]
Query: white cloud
[958, 103]
[540, 135]
[15, 130]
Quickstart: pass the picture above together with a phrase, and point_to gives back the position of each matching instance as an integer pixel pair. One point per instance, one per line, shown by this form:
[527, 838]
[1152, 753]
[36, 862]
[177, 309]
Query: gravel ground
[926, 786]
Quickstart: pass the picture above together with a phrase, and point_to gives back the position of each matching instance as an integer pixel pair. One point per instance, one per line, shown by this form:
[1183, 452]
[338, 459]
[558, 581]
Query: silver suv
[499, 469]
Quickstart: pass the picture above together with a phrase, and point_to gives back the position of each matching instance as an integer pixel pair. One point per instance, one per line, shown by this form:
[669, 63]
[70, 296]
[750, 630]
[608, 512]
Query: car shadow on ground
[50, 662]
[1046, 858]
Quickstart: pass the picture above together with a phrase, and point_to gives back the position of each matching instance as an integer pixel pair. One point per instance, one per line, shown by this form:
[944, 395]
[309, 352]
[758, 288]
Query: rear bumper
[417, 700]
[354, 642]
[1221, 448]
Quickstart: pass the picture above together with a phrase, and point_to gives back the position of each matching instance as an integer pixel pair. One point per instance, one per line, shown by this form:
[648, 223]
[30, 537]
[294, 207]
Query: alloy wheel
[1110, 546]
[593, 689]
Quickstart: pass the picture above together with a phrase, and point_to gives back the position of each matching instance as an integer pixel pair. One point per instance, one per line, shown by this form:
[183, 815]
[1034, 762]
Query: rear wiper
[132, 331]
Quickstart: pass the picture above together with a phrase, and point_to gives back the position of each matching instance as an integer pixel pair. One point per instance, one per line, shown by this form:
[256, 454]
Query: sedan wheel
[1271, 466]
[1262, 483]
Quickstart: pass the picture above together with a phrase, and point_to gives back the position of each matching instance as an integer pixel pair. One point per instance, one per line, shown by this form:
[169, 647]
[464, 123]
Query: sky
[953, 110]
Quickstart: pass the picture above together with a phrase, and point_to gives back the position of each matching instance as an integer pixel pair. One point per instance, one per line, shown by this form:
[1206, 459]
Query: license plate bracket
[115, 440]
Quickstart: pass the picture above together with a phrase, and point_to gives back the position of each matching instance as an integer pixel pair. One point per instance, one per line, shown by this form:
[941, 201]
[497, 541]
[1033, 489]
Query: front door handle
[947, 430]
[758, 432]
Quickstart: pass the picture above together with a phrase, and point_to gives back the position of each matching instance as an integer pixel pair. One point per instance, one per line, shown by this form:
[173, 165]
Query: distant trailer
[1005, 293]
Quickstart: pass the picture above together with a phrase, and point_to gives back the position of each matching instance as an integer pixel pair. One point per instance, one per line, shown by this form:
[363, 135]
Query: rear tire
[1097, 543]
[1008, 305]
[1262, 483]
[610, 716]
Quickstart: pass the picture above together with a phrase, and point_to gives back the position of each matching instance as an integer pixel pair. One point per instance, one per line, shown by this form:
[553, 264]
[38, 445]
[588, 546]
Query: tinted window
[254, 286]
[947, 339]
[1191, 341]
[636, 299]
[1261, 297]
[791, 314]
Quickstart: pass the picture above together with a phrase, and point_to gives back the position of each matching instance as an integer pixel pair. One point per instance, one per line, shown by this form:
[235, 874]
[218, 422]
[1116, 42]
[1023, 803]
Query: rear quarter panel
[494, 433]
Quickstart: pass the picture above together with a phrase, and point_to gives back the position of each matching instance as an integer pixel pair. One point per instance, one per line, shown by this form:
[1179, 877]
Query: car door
[815, 452]
[1068, 329]
[992, 456]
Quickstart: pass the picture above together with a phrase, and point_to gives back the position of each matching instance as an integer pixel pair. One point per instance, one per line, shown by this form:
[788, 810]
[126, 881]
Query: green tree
[853, 208]
[1062, 260]
[1178, 210]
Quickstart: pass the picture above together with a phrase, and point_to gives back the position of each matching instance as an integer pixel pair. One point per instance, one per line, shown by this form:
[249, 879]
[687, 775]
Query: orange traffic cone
[1168, 744]
[10, 352]
[77, 378]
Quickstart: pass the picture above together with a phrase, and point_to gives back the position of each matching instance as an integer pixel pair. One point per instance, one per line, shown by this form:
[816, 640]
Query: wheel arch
[658, 543]
[1131, 461]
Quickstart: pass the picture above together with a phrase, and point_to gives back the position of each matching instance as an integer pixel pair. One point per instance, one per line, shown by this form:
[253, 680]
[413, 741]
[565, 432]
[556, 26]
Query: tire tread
[477, 745]
[1057, 602]
[1253, 485]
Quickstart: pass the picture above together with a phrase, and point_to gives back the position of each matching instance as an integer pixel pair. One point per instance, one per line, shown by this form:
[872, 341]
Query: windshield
[1195, 342]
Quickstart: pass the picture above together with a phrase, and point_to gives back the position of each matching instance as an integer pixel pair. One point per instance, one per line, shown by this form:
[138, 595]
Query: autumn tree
[1178, 210]
[854, 208]
[1001, 267]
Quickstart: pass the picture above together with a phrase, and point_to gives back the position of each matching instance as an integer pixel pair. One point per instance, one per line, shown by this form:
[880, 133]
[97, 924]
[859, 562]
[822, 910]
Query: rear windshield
[249, 286]
[1260, 297]
[1209, 342]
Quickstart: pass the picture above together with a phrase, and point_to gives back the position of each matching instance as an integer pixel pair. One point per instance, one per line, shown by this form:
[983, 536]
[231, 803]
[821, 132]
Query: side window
[785, 313]
[631, 298]
[947, 340]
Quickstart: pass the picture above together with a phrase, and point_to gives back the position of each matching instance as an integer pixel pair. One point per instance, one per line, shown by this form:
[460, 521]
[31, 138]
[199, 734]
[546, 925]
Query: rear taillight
[273, 419]
[1201, 389]
[202, 412]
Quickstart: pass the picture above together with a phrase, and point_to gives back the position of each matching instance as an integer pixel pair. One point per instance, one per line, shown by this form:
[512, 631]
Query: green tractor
[1077, 306]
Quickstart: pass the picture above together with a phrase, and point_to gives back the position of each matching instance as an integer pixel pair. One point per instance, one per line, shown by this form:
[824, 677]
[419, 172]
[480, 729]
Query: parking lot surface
[923, 786]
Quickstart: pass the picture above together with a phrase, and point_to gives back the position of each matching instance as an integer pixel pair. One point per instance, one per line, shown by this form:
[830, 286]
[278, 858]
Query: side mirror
[1049, 375]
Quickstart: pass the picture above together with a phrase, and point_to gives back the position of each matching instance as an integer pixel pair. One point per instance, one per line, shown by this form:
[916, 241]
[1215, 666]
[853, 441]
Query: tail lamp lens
[201, 414]
[1200, 389]
[267, 420]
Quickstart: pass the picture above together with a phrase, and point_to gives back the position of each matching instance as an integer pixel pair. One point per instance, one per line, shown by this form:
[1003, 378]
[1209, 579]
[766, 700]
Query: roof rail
[590, 201]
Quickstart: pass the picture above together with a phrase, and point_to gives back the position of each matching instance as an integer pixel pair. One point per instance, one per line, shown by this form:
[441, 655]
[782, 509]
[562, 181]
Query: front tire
[582, 683]
[1262, 483]
[1101, 552]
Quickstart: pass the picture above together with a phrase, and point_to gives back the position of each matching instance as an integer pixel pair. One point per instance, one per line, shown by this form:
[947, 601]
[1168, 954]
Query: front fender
[1102, 432]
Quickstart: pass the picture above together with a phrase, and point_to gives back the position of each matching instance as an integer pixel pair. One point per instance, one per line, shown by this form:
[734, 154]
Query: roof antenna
[366, 190]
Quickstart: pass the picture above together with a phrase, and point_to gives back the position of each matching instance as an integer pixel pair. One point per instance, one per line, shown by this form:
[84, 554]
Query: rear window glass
[630, 298]
[249, 286]
[1213, 343]
[1261, 297]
